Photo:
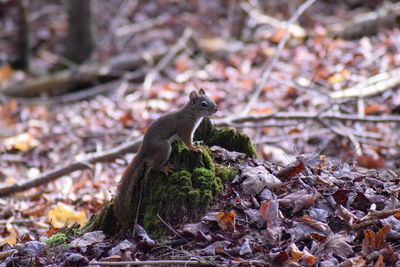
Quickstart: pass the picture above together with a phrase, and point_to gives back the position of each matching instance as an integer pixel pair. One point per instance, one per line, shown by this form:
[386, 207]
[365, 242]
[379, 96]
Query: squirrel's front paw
[166, 169]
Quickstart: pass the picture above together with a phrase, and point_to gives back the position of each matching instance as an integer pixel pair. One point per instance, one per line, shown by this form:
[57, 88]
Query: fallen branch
[371, 86]
[254, 12]
[225, 122]
[132, 146]
[167, 58]
[52, 175]
[272, 62]
[75, 96]
[63, 81]
[159, 262]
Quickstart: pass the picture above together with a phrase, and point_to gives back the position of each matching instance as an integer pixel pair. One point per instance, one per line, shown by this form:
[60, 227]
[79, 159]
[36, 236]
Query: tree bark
[80, 43]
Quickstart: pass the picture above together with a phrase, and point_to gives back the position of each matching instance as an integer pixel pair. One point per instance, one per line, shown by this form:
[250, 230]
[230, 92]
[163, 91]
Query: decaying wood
[61, 82]
[367, 24]
[371, 86]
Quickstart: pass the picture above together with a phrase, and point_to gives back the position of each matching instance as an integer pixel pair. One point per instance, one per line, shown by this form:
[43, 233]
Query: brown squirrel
[156, 145]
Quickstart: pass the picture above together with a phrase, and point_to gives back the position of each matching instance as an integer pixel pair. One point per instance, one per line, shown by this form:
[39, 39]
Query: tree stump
[182, 196]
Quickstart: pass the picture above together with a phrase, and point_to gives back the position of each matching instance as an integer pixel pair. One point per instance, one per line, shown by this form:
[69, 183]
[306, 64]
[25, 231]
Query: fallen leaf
[6, 72]
[270, 211]
[256, 178]
[339, 76]
[375, 241]
[299, 200]
[22, 142]
[88, 239]
[337, 244]
[320, 226]
[223, 154]
[63, 215]
[226, 220]
[295, 253]
[11, 239]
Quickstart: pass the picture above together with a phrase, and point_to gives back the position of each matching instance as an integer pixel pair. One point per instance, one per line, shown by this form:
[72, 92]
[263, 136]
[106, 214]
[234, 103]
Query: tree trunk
[79, 43]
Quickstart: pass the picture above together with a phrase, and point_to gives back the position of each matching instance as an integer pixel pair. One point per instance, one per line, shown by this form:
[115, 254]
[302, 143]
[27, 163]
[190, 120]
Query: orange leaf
[226, 220]
[278, 34]
[375, 110]
[5, 72]
[61, 215]
[295, 252]
[263, 110]
[338, 77]
[371, 161]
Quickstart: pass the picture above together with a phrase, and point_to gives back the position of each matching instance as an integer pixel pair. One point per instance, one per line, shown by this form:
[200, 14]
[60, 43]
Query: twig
[164, 262]
[166, 59]
[272, 62]
[54, 174]
[170, 227]
[344, 131]
[141, 26]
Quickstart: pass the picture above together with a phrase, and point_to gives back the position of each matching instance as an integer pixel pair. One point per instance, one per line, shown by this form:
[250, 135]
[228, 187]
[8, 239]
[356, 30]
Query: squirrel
[155, 148]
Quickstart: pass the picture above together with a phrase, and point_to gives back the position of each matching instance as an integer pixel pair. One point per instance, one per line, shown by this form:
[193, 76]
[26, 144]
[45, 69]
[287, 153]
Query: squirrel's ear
[193, 95]
[202, 92]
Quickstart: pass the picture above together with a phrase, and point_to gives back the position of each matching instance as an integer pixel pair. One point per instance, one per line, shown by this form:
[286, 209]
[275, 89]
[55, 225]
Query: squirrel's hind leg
[160, 157]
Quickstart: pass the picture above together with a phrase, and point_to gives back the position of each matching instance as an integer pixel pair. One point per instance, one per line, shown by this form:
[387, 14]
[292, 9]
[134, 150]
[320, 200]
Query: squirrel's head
[202, 104]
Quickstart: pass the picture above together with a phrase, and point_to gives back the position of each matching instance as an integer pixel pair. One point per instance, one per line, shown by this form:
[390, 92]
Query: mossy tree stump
[182, 196]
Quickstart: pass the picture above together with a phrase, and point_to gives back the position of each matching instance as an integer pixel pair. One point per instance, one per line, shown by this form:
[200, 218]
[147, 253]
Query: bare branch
[53, 175]
[272, 62]
[223, 122]
[166, 59]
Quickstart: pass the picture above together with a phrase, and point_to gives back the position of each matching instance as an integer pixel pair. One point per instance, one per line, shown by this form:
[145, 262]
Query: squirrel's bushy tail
[122, 204]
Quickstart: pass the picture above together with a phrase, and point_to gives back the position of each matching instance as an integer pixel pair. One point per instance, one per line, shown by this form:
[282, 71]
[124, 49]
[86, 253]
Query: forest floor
[324, 189]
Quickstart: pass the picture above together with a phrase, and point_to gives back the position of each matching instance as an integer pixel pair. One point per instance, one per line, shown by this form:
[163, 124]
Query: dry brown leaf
[257, 178]
[375, 241]
[270, 211]
[346, 215]
[317, 225]
[309, 258]
[295, 253]
[379, 262]
[291, 170]
[353, 262]
[337, 244]
[299, 200]
[11, 239]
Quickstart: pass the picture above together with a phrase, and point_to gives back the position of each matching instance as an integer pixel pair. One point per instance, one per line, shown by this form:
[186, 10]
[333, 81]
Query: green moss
[194, 199]
[105, 221]
[226, 174]
[226, 138]
[56, 239]
[205, 200]
[205, 179]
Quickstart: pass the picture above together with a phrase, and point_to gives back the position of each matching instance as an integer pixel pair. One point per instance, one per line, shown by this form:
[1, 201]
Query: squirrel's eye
[204, 104]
